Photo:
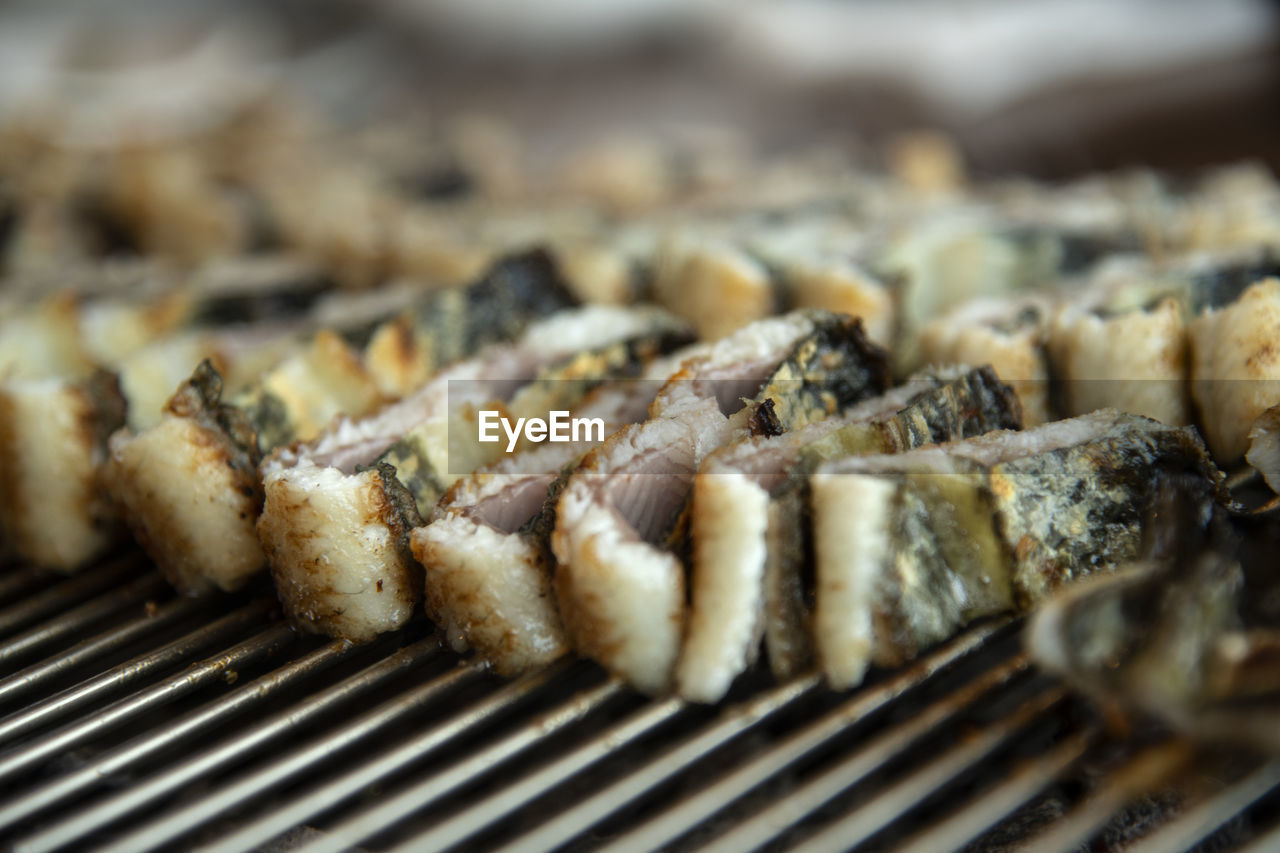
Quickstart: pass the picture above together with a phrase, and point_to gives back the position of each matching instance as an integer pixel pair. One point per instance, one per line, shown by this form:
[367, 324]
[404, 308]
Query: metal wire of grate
[134, 720]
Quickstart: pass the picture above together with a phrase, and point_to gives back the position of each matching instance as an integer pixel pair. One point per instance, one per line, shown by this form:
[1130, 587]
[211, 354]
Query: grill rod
[119, 712]
[898, 799]
[473, 819]
[78, 619]
[688, 743]
[17, 581]
[173, 825]
[434, 788]
[971, 819]
[36, 676]
[751, 833]
[1145, 771]
[694, 810]
[191, 725]
[1184, 831]
[67, 594]
[258, 737]
[96, 689]
[312, 801]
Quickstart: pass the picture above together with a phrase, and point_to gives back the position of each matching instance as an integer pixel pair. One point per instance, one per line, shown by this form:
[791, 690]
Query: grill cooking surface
[135, 720]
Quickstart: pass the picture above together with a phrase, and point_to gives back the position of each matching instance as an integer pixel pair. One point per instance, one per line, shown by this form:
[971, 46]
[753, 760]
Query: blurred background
[1049, 89]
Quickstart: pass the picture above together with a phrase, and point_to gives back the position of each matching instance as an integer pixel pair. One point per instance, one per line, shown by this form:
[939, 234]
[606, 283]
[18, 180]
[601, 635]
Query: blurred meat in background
[1050, 89]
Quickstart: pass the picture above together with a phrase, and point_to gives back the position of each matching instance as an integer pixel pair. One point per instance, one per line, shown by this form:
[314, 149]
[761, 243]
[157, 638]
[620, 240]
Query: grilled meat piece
[75, 365]
[338, 510]
[486, 546]
[1008, 335]
[1235, 367]
[1190, 633]
[619, 580]
[910, 547]
[749, 518]
[190, 481]
[1122, 344]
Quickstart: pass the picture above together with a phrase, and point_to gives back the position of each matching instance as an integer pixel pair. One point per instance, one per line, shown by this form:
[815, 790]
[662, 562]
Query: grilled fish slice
[619, 585]
[1235, 367]
[717, 286]
[1190, 636]
[1123, 344]
[738, 539]
[748, 518]
[912, 546]
[189, 486]
[1008, 335]
[55, 513]
[950, 260]
[338, 510]
[486, 547]
[56, 420]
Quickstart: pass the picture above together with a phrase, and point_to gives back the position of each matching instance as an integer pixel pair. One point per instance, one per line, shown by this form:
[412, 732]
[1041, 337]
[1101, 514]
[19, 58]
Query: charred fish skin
[996, 523]
[834, 367]
[338, 511]
[750, 540]
[619, 581]
[1104, 487]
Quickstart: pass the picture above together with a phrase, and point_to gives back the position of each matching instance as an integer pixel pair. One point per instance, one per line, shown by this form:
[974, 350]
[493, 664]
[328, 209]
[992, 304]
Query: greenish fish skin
[978, 541]
[970, 405]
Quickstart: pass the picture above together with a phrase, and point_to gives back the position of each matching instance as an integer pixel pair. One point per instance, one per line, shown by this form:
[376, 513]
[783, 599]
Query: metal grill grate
[133, 720]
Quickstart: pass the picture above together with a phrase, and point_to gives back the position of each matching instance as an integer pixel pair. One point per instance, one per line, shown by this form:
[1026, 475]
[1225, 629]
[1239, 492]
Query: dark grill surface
[133, 720]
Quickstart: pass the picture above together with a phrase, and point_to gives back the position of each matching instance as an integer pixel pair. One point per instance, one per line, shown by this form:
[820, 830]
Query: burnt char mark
[1076, 252]
[358, 336]
[284, 300]
[449, 182]
[405, 518]
[831, 368]
[540, 527]
[995, 404]
[763, 420]
[110, 234]
[201, 398]
[783, 296]
[8, 221]
[862, 368]
[108, 403]
[1221, 286]
[640, 280]
[1081, 251]
[414, 472]
[978, 403]
[516, 289]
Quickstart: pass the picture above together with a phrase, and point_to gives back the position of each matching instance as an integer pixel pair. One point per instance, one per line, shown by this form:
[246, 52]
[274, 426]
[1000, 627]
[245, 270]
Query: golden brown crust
[201, 536]
[304, 542]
